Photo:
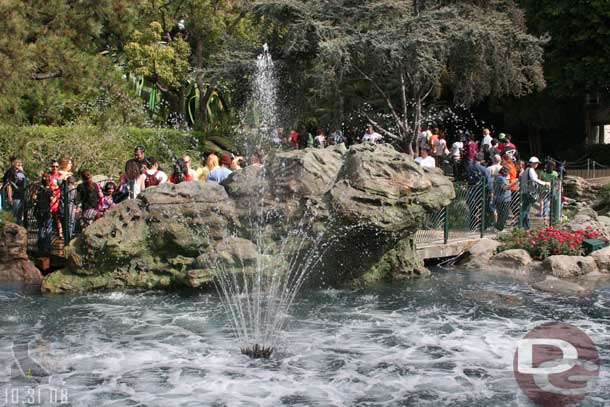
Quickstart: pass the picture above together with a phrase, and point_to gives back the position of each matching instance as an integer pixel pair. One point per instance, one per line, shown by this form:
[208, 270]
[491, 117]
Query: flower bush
[550, 241]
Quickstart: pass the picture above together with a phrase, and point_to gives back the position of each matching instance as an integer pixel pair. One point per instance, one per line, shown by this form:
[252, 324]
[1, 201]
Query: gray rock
[569, 266]
[602, 259]
[14, 263]
[555, 285]
[512, 259]
[480, 254]
[604, 221]
[358, 209]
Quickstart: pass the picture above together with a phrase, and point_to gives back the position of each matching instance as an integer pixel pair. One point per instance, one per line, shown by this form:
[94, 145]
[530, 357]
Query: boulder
[602, 259]
[14, 263]
[480, 253]
[513, 259]
[558, 286]
[349, 214]
[569, 266]
[579, 189]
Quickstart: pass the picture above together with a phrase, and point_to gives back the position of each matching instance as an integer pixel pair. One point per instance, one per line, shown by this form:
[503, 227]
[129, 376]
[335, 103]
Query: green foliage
[104, 151]
[51, 66]
[464, 50]
[5, 217]
[577, 53]
[162, 62]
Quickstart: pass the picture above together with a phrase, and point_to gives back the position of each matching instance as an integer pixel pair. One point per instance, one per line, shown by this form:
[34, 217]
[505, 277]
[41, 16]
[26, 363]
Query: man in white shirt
[495, 168]
[486, 138]
[425, 160]
[371, 136]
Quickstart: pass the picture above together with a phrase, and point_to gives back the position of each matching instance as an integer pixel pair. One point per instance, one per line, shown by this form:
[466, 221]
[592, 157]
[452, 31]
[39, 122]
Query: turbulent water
[420, 343]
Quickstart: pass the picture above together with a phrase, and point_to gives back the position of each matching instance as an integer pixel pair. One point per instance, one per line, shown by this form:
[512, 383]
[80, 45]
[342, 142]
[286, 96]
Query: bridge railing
[480, 209]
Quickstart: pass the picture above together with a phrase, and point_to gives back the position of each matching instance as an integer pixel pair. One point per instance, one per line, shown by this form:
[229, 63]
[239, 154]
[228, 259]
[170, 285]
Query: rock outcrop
[349, 214]
[569, 266]
[14, 263]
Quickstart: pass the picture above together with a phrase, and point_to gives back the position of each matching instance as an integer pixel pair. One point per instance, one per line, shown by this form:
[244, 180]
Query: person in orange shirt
[513, 174]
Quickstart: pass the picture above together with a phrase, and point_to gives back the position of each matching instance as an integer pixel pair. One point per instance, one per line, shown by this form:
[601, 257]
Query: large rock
[480, 253]
[349, 214]
[512, 259]
[558, 286]
[14, 263]
[579, 189]
[569, 266]
[602, 259]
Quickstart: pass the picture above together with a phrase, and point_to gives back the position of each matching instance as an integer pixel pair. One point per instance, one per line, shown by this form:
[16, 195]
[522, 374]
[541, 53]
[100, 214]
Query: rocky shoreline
[362, 205]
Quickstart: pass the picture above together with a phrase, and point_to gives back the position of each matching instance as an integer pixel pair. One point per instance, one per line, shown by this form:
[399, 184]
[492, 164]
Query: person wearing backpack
[479, 180]
[154, 176]
[530, 184]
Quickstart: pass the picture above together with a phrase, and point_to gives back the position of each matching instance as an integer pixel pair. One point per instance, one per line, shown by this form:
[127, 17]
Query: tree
[55, 65]
[413, 52]
[576, 58]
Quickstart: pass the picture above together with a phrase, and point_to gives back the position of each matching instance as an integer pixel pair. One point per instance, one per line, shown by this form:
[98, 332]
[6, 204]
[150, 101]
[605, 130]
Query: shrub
[549, 241]
[103, 151]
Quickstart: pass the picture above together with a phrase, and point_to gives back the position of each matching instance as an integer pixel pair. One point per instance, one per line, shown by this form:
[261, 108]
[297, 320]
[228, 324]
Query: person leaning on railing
[530, 183]
[14, 182]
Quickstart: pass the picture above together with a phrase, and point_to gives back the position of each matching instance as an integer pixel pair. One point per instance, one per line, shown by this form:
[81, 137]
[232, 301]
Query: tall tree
[413, 52]
[576, 58]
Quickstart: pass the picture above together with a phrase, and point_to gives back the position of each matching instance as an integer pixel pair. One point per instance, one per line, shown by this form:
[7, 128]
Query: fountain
[258, 301]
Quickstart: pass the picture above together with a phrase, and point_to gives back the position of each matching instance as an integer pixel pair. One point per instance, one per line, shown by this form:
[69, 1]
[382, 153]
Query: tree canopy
[411, 52]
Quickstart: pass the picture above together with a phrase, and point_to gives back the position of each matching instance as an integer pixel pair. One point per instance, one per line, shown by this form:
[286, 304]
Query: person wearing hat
[221, 172]
[530, 184]
[505, 143]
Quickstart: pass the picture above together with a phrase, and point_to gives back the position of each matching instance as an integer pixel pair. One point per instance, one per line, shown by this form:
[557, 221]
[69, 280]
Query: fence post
[520, 204]
[65, 196]
[588, 168]
[446, 226]
[560, 197]
[551, 203]
[483, 205]
[24, 211]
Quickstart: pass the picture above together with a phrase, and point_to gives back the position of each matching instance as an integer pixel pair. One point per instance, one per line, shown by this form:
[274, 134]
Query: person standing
[502, 197]
[221, 173]
[320, 140]
[14, 183]
[551, 195]
[486, 138]
[531, 187]
[42, 212]
[371, 136]
[425, 160]
[89, 196]
[190, 174]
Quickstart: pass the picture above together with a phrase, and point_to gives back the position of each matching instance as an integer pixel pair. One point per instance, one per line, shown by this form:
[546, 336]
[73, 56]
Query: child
[107, 201]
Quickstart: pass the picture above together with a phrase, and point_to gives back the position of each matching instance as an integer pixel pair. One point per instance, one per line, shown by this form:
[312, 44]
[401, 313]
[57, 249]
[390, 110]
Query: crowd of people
[494, 166]
[61, 201]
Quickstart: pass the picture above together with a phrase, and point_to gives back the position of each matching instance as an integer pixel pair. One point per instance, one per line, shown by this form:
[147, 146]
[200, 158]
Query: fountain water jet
[258, 300]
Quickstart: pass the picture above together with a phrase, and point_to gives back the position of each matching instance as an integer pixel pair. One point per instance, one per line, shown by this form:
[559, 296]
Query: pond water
[425, 342]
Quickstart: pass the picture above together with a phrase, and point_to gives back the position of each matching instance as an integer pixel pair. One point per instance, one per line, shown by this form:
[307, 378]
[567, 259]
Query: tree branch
[385, 96]
[45, 76]
[381, 129]
[403, 88]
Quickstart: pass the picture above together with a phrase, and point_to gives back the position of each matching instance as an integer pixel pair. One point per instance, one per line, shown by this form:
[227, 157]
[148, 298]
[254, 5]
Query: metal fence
[480, 210]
